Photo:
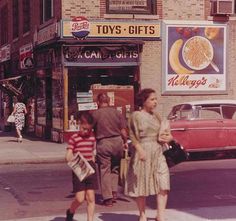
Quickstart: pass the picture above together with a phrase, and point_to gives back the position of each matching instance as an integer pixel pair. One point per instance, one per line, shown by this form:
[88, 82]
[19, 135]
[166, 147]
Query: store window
[41, 101]
[119, 82]
[46, 10]
[131, 6]
[15, 17]
[57, 99]
[26, 16]
[4, 24]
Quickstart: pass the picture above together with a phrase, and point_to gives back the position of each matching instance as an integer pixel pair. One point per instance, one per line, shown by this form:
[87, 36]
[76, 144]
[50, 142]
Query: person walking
[19, 112]
[148, 173]
[84, 142]
[111, 135]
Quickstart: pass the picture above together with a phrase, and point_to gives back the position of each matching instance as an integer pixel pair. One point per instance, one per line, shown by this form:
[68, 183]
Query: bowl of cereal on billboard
[197, 52]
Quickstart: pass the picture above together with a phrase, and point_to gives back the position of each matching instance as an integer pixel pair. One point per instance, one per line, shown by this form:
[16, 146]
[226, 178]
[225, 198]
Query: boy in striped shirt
[84, 142]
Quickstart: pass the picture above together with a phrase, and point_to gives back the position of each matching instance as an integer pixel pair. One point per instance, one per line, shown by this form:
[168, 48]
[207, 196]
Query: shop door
[112, 80]
[48, 105]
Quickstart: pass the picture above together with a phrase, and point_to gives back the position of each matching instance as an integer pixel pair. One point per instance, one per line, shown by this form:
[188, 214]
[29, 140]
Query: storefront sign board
[47, 33]
[130, 7]
[114, 29]
[194, 58]
[99, 55]
[5, 53]
[26, 56]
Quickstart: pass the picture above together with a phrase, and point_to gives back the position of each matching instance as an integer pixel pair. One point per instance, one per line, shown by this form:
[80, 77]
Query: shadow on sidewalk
[58, 219]
[117, 217]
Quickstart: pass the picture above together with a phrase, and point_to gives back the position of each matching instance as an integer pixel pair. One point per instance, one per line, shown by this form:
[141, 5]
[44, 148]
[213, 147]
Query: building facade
[60, 53]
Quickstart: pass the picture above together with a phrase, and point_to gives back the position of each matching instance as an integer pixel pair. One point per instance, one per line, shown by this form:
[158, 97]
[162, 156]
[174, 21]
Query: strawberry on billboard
[26, 56]
[194, 58]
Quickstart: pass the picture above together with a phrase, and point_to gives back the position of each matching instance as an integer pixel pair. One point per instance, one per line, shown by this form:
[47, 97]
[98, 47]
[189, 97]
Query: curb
[30, 161]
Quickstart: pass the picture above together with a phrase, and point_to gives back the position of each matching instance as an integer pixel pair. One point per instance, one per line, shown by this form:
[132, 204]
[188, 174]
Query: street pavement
[35, 150]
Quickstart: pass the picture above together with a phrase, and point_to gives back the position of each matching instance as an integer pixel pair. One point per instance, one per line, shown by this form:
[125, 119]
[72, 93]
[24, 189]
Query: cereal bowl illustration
[197, 52]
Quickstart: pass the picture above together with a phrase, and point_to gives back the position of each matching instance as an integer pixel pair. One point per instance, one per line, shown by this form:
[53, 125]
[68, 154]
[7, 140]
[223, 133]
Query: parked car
[207, 125]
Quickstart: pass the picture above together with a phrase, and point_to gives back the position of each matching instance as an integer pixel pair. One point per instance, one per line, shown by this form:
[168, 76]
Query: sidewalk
[31, 150]
[198, 214]
[34, 150]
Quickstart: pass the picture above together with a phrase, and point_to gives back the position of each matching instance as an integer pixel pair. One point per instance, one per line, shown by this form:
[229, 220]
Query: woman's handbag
[174, 154]
[173, 151]
[11, 119]
[81, 166]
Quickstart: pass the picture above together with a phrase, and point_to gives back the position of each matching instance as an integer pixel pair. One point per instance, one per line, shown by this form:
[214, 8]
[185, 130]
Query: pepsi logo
[80, 27]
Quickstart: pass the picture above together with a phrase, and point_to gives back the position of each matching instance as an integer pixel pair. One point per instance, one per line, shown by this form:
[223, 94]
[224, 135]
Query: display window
[120, 83]
[41, 101]
[57, 99]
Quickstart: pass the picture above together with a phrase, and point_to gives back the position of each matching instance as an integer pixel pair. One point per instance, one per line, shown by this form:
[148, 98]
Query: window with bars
[4, 24]
[46, 10]
[26, 16]
[15, 19]
[131, 6]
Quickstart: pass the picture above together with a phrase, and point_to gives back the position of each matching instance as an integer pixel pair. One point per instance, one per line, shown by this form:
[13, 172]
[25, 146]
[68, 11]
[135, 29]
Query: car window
[213, 113]
[229, 112]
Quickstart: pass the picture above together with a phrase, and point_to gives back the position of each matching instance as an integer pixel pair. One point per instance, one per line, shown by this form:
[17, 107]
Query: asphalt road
[28, 190]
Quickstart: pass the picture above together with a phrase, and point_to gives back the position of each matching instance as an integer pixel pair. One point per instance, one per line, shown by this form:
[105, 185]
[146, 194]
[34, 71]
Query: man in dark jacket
[111, 136]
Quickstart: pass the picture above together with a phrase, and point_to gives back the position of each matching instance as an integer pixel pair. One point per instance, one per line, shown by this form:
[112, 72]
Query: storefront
[72, 69]
[64, 89]
[110, 68]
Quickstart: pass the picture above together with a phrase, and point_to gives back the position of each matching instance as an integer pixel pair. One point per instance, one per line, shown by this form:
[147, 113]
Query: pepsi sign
[80, 27]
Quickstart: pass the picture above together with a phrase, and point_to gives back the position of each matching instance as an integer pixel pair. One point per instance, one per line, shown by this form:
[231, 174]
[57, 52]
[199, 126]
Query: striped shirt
[85, 145]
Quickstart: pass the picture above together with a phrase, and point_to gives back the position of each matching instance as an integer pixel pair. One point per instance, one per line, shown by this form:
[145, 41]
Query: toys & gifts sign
[194, 58]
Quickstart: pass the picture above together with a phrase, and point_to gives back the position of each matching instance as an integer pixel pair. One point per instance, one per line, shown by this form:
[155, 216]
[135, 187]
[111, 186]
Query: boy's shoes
[69, 215]
[108, 202]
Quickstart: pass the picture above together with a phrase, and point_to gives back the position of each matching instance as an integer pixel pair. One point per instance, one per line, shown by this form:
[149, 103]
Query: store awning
[9, 86]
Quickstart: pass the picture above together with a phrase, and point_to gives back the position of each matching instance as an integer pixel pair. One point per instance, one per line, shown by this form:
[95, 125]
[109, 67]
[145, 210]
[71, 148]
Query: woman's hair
[143, 95]
[20, 98]
[87, 117]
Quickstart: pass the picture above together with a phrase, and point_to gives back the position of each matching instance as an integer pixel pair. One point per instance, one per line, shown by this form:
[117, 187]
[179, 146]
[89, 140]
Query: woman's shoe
[69, 215]
[20, 139]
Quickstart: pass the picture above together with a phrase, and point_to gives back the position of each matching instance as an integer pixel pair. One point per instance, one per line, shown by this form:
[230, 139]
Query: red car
[206, 125]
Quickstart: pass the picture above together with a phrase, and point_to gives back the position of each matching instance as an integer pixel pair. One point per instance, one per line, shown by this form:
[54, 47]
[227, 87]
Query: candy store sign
[78, 54]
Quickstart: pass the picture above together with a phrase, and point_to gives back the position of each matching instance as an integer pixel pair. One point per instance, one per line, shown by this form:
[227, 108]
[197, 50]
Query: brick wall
[183, 10]
[87, 8]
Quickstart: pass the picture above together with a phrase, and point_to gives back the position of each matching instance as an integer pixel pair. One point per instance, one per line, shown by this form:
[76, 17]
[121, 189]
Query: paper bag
[165, 131]
[124, 166]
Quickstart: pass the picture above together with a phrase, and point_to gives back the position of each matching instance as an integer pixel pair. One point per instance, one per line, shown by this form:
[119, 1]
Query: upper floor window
[131, 6]
[4, 24]
[46, 9]
[26, 16]
[15, 19]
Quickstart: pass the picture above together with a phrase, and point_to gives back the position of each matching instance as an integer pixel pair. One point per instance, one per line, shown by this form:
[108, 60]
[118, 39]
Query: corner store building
[147, 70]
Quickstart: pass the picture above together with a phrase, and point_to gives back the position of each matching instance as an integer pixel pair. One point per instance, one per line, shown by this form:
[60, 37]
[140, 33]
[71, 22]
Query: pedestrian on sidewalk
[19, 112]
[84, 142]
[111, 135]
[148, 173]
